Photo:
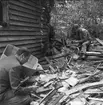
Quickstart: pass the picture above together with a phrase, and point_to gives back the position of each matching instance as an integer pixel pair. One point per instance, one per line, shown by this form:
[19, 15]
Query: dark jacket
[11, 74]
[6, 64]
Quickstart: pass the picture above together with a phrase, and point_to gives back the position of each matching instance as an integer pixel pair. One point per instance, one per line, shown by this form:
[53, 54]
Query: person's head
[75, 26]
[22, 55]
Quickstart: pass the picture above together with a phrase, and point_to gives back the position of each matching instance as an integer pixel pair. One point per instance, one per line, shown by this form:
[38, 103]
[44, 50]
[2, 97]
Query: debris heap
[71, 80]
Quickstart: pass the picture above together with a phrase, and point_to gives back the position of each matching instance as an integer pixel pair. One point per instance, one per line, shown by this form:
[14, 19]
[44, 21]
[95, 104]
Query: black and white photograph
[51, 52]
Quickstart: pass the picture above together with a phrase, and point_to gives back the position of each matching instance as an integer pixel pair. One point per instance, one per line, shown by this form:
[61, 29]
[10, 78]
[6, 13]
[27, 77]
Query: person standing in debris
[11, 73]
[48, 44]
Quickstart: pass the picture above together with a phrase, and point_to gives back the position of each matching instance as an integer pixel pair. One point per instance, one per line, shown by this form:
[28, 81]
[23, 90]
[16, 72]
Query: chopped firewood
[42, 90]
[35, 96]
[78, 89]
[96, 99]
[88, 73]
[48, 83]
[92, 91]
[56, 101]
[93, 54]
[84, 86]
[48, 96]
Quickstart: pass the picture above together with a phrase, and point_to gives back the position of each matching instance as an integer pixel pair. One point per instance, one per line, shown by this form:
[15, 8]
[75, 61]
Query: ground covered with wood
[71, 80]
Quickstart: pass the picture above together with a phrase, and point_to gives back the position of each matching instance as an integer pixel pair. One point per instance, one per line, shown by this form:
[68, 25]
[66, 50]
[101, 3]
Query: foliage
[87, 12]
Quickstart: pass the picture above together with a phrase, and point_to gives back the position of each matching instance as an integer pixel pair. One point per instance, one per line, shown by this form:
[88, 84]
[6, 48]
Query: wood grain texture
[24, 28]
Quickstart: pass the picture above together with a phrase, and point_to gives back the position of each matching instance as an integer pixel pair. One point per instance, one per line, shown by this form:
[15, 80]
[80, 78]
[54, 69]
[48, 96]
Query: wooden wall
[26, 27]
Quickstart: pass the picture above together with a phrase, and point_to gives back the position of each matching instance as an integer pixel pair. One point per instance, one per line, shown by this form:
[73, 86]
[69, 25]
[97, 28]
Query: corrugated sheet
[25, 28]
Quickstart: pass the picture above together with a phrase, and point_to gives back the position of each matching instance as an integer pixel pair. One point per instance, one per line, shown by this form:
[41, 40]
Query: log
[93, 91]
[93, 54]
[96, 99]
[80, 87]
[84, 86]
[42, 90]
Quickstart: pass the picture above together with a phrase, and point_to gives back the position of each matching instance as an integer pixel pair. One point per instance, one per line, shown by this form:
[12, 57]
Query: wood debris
[75, 82]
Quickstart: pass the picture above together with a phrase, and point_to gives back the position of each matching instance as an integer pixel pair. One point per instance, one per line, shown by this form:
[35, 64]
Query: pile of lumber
[70, 81]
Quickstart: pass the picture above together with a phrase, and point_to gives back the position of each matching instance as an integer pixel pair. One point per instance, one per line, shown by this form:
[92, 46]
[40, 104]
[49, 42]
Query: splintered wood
[80, 81]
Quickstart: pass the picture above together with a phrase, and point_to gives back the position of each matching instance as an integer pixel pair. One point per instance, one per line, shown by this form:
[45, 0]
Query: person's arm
[15, 80]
